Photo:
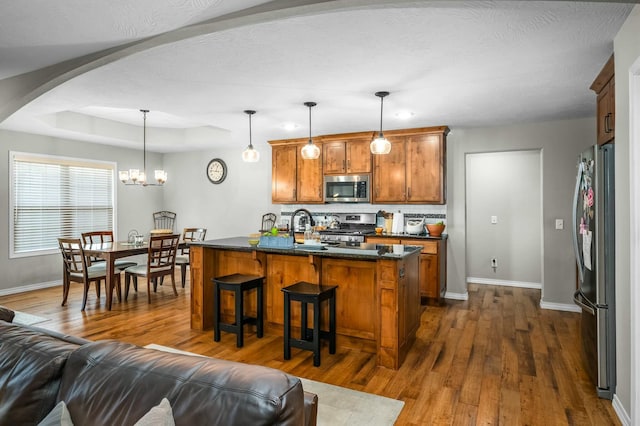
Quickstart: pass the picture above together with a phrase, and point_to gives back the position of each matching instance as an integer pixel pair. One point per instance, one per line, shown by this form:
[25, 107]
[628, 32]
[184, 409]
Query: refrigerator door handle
[576, 248]
[583, 302]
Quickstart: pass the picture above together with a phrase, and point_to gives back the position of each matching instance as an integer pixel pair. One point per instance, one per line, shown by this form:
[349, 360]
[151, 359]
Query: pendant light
[380, 145]
[250, 155]
[310, 151]
[133, 176]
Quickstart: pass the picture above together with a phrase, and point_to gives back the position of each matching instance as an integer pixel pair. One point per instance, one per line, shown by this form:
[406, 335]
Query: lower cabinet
[433, 269]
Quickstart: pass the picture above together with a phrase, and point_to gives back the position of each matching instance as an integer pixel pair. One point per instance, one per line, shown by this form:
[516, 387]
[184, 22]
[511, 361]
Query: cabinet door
[390, 180]
[309, 188]
[429, 276]
[425, 169]
[335, 158]
[283, 174]
[606, 114]
[358, 156]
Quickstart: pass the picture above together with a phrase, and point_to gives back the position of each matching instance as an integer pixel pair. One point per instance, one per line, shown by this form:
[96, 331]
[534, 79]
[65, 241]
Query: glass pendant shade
[310, 151]
[135, 176]
[250, 155]
[380, 145]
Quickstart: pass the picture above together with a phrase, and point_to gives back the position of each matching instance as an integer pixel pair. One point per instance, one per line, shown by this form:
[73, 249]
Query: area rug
[338, 405]
[27, 319]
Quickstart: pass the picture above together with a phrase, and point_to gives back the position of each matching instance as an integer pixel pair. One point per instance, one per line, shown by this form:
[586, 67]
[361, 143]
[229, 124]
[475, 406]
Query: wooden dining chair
[77, 269]
[268, 222]
[161, 261]
[182, 259]
[101, 237]
[164, 220]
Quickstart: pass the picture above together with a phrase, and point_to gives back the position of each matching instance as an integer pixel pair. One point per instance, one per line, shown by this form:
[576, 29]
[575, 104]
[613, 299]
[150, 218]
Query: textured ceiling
[462, 64]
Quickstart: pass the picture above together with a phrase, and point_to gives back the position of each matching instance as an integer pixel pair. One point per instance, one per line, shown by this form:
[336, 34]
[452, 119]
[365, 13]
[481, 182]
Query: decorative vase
[435, 229]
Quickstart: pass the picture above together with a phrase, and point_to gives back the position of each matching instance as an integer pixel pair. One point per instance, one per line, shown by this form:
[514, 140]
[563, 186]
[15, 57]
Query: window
[53, 197]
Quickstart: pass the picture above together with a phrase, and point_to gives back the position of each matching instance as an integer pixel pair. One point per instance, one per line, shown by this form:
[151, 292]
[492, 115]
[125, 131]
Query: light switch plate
[494, 219]
[559, 224]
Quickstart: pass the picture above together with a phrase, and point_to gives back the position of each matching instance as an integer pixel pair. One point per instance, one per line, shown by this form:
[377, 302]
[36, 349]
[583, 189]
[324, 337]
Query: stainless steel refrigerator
[594, 244]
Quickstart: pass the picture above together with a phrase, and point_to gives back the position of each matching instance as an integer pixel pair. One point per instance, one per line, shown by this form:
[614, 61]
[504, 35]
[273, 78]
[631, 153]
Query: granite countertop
[405, 235]
[362, 251]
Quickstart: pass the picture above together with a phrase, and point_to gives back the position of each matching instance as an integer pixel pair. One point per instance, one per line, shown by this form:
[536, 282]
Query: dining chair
[100, 237]
[268, 222]
[77, 269]
[188, 235]
[161, 261]
[164, 220]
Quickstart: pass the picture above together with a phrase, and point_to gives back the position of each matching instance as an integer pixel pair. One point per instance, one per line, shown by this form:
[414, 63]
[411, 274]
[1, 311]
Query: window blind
[57, 197]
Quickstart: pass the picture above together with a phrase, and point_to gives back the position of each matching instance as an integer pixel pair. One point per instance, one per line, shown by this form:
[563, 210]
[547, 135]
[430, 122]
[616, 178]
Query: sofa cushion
[6, 314]
[59, 416]
[124, 381]
[160, 415]
[31, 365]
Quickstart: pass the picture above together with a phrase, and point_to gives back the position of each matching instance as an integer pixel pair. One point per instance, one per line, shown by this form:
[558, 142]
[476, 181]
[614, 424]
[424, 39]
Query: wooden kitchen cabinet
[604, 86]
[389, 177]
[294, 179]
[414, 171]
[350, 154]
[433, 269]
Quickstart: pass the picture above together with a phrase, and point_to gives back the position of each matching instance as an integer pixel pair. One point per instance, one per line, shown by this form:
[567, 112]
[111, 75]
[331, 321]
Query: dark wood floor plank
[494, 359]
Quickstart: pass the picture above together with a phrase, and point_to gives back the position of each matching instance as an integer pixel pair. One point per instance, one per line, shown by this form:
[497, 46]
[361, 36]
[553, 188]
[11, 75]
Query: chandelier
[134, 176]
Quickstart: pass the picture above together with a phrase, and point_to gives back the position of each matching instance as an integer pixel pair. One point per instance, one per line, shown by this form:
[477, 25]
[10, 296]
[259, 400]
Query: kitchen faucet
[307, 212]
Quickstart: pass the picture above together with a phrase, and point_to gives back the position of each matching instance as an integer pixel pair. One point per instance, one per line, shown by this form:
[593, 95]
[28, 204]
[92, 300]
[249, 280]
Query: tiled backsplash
[431, 213]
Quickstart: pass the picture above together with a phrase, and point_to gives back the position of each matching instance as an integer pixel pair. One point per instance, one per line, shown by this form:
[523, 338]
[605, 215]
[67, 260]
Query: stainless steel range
[349, 227]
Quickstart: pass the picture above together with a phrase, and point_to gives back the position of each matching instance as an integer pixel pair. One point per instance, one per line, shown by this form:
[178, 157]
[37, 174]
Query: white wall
[231, 208]
[627, 51]
[505, 185]
[559, 143]
[135, 205]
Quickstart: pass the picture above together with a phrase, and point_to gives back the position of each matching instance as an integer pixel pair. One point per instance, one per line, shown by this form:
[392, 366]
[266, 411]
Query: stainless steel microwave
[347, 189]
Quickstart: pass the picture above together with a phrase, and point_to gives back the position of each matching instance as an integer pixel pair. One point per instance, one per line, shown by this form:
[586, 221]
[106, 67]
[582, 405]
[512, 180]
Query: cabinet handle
[349, 164]
[409, 192]
[401, 273]
[607, 121]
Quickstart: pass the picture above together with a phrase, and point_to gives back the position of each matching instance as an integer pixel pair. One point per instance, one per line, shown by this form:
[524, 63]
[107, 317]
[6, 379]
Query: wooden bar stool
[305, 292]
[238, 283]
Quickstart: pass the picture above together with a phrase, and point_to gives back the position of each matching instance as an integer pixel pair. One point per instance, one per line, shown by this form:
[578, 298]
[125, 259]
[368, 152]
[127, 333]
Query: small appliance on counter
[415, 226]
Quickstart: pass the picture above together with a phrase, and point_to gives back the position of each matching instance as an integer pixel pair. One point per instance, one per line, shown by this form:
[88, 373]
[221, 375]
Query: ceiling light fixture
[133, 176]
[404, 115]
[380, 145]
[310, 151]
[250, 155]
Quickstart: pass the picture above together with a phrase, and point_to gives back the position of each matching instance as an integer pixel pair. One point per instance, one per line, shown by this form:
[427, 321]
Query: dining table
[110, 251]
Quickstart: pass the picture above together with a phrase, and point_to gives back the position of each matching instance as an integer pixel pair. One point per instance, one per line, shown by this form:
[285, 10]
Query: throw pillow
[6, 314]
[59, 416]
[160, 415]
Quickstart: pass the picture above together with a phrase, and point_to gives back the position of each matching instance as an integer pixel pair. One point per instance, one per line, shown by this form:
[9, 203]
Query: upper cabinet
[347, 154]
[294, 179]
[414, 171]
[604, 86]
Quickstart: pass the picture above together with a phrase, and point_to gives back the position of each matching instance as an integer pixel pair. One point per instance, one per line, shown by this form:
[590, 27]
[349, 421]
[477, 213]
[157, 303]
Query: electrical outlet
[494, 262]
[559, 224]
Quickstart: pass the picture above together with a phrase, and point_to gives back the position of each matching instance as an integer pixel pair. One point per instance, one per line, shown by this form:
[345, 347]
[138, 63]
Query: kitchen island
[377, 301]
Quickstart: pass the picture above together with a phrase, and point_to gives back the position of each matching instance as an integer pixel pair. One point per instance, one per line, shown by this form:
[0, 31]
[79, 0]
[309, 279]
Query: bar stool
[305, 292]
[238, 283]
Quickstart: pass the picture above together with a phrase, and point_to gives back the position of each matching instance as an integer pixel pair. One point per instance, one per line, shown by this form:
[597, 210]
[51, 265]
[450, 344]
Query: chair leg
[173, 283]
[149, 289]
[183, 273]
[98, 287]
[118, 287]
[65, 290]
[127, 283]
[84, 296]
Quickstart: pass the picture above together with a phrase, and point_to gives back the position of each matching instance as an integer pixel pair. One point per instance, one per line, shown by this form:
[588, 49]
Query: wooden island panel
[377, 300]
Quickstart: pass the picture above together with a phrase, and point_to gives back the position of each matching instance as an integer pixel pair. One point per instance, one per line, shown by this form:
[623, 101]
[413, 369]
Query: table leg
[109, 279]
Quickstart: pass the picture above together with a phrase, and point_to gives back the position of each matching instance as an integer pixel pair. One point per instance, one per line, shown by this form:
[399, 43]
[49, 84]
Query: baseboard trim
[623, 416]
[505, 283]
[29, 287]
[559, 306]
[456, 296]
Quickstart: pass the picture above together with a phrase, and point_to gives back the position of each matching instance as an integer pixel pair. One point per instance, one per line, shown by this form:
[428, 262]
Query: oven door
[346, 189]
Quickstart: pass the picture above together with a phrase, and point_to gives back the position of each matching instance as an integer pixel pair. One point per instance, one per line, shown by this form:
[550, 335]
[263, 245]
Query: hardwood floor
[494, 359]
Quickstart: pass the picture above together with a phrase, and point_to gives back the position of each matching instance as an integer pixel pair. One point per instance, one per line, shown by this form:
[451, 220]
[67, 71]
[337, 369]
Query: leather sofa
[111, 382]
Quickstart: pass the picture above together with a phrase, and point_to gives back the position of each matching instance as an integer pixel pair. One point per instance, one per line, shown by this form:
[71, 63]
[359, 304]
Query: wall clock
[216, 170]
